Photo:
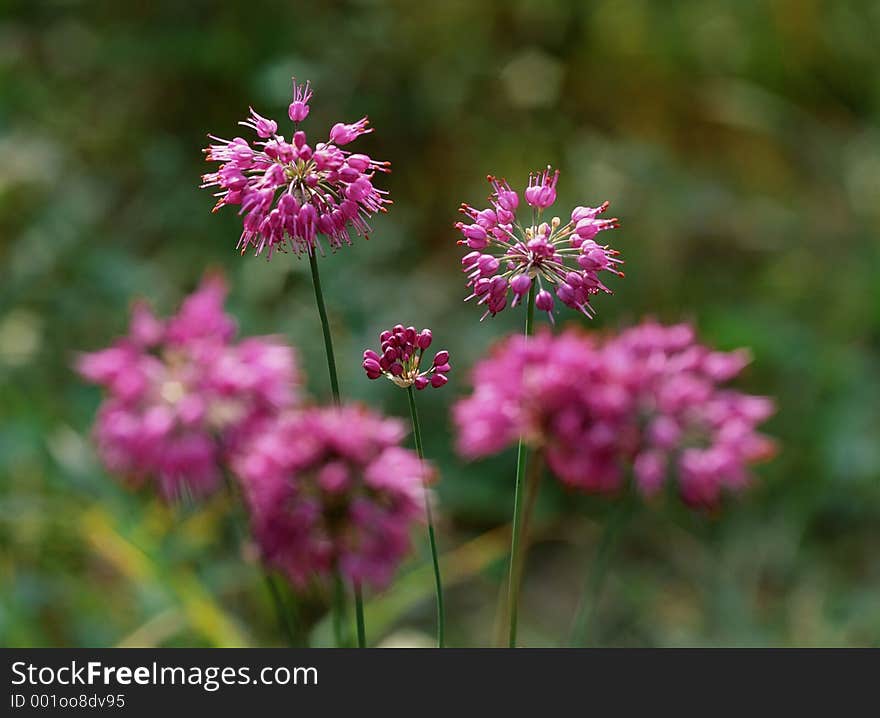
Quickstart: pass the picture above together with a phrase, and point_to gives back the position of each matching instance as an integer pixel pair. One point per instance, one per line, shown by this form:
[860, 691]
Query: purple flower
[508, 256]
[290, 192]
[402, 349]
[650, 398]
[332, 489]
[181, 394]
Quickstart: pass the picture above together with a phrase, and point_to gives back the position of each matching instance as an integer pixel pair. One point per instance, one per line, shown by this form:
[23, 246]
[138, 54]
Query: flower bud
[544, 301]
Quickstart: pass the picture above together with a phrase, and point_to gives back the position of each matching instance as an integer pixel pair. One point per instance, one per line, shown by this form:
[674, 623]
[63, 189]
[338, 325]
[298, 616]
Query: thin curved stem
[338, 611]
[284, 620]
[339, 595]
[432, 540]
[598, 570]
[516, 538]
[359, 614]
[325, 327]
[281, 610]
[534, 471]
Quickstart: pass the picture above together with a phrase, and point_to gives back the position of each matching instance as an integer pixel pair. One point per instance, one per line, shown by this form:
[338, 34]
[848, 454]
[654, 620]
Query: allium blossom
[650, 398]
[401, 359]
[331, 489]
[181, 393]
[289, 192]
[508, 256]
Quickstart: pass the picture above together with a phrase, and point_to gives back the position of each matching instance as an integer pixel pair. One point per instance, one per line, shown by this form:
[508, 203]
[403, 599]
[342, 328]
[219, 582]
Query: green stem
[325, 326]
[359, 614]
[597, 572]
[284, 621]
[516, 538]
[339, 595]
[432, 540]
[338, 611]
[278, 601]
[533, 480]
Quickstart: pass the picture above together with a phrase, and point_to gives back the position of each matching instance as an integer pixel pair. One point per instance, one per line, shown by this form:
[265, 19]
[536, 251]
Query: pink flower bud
[544, 301]
[348, 174]
[297, 111]
[359, 162]
[521, 284]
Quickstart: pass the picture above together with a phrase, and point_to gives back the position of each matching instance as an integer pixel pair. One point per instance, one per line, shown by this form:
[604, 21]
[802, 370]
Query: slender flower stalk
[359, 616]
[284, 620]
[339, 604]
[400, 361]
[598, 570]
[281, 612]
[325, 328]
[339, 599]
[516, 537]
[534, 471]
[432, 540]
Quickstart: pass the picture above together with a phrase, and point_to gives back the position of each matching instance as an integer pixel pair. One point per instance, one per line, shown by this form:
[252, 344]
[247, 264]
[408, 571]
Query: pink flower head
[508, 257]
[650, 398]
[181, 393]
[332, 489]
[401, 359]
[290, 192]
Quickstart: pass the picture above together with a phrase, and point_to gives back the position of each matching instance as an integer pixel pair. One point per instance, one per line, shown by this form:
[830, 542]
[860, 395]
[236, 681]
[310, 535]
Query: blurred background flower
[739, 145]
[181, 395]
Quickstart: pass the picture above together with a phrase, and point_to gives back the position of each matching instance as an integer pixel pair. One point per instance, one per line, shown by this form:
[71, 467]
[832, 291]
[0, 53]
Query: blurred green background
[738, 143]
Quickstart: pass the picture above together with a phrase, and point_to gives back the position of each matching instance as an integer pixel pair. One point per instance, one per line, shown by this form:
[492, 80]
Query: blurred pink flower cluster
[650, 397]
[330, 489]
[289, 191]
[508, 256]
[182, 393]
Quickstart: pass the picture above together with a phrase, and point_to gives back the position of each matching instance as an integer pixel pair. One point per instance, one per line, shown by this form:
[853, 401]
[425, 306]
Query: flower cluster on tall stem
[400, 361]
[508, 256]
[289, 192]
